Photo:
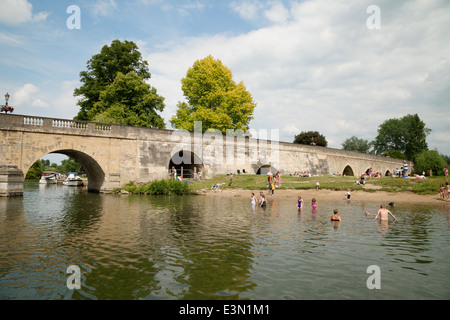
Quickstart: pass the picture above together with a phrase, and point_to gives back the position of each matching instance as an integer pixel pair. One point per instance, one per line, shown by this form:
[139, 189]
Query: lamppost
[6, 107]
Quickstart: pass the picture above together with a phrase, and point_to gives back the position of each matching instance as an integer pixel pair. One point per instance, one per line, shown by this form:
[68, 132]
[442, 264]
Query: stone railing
[24, 121]
[54, 125]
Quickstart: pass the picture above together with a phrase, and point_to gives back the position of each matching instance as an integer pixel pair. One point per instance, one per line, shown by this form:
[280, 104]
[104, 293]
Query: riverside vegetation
[430, 185]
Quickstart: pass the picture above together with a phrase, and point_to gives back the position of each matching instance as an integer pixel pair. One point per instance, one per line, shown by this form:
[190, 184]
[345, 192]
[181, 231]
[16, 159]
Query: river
[212, 247]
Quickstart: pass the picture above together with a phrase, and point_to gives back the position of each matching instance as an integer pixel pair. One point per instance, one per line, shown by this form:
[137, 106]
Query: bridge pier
[11, 181]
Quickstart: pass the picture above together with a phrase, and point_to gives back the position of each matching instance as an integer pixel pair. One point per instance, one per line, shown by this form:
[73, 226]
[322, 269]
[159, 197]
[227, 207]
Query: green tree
[214, 98]
[69, 165]
[311, 138]
[395, 154]
[429, 160]
[446, 158]
[407, 135]
[102, 69]
[356, 144]
[129, 101]
[36, 170]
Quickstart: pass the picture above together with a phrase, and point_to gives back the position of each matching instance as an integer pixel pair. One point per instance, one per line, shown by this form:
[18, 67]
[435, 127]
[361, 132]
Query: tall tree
[407, 135]
[214, 98]
[311, 138]
[429, 160]
[356, 144]
[129, 101]
[102, 69]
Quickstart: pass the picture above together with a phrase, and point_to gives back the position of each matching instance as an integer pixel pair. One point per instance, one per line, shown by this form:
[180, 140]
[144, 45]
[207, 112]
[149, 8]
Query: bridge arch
[348, 171]
[186, 163]
[264, 169]
[94, 172]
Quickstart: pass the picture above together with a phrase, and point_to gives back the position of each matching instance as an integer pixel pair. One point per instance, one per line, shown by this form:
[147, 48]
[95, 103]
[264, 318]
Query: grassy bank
[430, 185]
[389, 184]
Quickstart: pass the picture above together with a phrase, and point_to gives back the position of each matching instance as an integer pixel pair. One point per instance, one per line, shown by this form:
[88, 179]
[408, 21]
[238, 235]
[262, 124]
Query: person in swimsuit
[314, 204]
[384, 214]
[447, 186]
[300, 203]
[442, 191]
[347, 194]
[253, 200]
[262, 200]
[335, 216]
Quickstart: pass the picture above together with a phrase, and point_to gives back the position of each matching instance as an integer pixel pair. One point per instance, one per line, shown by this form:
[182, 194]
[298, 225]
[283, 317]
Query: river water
[212, 247]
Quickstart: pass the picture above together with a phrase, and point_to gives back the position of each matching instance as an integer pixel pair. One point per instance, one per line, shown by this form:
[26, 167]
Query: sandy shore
[379, 196]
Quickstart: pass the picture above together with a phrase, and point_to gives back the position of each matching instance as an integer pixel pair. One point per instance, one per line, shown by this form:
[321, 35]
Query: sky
[340, 67]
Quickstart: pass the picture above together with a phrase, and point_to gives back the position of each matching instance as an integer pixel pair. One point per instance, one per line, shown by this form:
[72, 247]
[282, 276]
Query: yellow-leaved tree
[214, 98]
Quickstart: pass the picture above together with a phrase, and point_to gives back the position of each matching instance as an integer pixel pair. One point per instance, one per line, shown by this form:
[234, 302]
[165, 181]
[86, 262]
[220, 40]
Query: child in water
[314, 203]
[300, 203]
[347, 194]
[253, 200]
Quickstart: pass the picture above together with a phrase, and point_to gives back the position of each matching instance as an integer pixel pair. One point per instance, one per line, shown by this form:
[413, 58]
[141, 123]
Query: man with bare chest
[384, 214]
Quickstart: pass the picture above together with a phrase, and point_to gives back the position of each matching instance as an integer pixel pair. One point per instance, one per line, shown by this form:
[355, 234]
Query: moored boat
[73, 180]
[48, 178]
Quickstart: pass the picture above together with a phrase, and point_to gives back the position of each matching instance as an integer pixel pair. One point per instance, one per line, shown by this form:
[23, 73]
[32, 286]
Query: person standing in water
[253, 200]
[262, 201]
[299, 203]
[347, 194]
[335, 217]
[384, 214]
[314, 204]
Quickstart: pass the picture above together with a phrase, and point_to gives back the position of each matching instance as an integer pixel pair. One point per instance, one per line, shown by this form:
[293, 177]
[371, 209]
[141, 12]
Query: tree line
[115, 89]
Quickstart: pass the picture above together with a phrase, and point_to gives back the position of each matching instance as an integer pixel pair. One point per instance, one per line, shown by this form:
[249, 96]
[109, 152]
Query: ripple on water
[214, 248]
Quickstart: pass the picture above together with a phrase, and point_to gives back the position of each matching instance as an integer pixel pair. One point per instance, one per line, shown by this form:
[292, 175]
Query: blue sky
[310, 65]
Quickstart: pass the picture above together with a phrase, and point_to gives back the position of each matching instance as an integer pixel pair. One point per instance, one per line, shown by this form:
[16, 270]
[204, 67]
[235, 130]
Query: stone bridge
[113, 155]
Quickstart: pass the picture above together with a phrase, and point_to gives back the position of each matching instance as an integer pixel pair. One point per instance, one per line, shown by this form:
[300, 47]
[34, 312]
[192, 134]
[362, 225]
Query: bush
[159, 187]
[429, 160]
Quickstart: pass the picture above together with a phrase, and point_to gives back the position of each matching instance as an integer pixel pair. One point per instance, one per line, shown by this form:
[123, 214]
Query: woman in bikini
[335, 216]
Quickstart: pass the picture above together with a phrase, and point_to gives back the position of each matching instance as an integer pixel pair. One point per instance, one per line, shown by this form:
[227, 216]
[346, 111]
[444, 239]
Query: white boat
[73, 180]
[48, 178]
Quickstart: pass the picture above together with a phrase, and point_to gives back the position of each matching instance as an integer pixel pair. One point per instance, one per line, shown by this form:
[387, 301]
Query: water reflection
[135, 247]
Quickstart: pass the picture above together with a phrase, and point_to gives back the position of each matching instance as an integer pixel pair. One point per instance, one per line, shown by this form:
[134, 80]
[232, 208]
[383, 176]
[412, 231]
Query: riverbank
[383, 190]
[308, 194]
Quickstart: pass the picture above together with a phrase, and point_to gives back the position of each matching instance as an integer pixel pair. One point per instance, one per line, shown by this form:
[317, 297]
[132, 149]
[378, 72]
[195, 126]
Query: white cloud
[248, 10]
[19, 11]
[318, 66]
[277, 13]
[103, 7]
[48, 99]
[25, 94]
[38, 103]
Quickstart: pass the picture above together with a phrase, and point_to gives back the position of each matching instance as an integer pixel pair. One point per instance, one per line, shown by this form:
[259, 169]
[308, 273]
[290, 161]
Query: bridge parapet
[16, 122]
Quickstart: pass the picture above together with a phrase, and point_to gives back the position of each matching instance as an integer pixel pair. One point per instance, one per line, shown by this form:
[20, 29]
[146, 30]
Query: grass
[430, 185]
[259, 182]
